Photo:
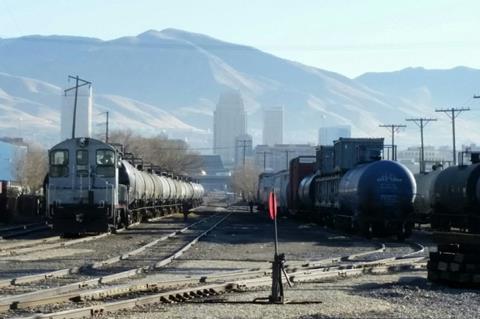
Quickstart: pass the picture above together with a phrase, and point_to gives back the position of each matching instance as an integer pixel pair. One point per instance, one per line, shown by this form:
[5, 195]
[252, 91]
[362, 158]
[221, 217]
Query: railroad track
[45, 296]
[161, 291]
[24, 247]
[21, 230]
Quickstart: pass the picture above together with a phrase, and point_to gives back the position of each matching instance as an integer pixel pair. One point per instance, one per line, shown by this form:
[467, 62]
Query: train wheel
[126, 218]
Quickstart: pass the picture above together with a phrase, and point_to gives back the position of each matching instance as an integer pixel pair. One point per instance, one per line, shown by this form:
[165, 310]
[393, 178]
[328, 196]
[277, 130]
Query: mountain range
[169, 82]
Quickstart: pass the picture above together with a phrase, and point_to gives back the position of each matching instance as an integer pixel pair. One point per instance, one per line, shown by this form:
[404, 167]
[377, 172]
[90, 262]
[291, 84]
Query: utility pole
[421, 122]
[76, 87]
[394, 128]
[244, 146]
[106, 128]
[452, 113]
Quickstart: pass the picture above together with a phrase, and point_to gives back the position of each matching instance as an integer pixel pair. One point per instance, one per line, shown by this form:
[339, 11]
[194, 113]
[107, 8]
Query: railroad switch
[278, 267]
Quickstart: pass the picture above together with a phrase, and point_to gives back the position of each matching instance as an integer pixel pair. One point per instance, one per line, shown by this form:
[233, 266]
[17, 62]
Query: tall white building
[229, 121]
[326, 135]
[273, 126]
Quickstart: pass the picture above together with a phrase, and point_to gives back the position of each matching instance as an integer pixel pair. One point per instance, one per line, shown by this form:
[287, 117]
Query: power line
[394, 128]
[421, 123]
[452, 113]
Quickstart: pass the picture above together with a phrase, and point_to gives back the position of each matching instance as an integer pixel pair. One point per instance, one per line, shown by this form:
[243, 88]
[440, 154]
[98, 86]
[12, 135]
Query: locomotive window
[59, 163]
[105, 163]
[105, 157]
[59, 158]
[82, 157]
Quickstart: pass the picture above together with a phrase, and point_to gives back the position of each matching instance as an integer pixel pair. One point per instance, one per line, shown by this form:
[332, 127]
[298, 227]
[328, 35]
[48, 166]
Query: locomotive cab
[81, 191]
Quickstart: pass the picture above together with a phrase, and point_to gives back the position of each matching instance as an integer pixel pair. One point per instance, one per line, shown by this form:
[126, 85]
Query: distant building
[11, 150]
[326, 135]
[229, 121]
[212, 174]
[276, 158]
[273, 126]
[410, 157]
[243, 149]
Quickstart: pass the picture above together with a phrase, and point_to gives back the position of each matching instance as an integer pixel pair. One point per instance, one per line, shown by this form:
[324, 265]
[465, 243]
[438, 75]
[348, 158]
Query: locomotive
[451, 197]
[92, 187]
[349, 186]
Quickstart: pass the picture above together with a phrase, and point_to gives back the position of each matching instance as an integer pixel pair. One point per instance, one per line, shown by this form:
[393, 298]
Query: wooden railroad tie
[456, 261]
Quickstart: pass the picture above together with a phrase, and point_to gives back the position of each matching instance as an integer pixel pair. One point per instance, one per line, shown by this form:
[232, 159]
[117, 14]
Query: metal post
[76, 87]
[422, 150]
[276, 235]
[421, 123]
[106, 130]
[453, 136]
[75, 107]
[452, 113]
[394, 128]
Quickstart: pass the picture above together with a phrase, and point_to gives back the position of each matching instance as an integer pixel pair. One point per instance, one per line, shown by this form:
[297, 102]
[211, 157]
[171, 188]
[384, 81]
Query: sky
[346, 36]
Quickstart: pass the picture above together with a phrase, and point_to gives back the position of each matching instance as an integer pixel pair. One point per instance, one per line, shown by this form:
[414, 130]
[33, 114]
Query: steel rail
[25, 230]
[5, 246]
[30, 300]
[36, 297]
[73, 270]
[9, 249]
[185, 294]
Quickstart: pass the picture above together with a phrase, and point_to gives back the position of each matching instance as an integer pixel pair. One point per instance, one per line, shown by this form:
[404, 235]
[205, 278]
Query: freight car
[455, 198]
[92, 188]
[423, 200]
[18, 207]
[351, 188]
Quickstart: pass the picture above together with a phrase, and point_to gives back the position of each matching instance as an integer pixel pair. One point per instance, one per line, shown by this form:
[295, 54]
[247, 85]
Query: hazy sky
[346, 36]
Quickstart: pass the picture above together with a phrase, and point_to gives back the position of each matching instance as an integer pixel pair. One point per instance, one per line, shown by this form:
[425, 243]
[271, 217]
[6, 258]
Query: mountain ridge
[184, 73]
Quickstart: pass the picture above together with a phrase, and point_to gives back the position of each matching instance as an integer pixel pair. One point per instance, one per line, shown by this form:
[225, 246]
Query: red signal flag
[272, 206]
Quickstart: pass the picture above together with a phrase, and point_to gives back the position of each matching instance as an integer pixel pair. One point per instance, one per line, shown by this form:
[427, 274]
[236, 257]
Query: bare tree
[245, 181]
[171, 155]
[31, 167]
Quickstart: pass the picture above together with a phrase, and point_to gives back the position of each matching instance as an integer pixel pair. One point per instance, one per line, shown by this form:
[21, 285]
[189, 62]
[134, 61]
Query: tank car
[456, 198]
[353, 189]
[92, 188]
[423, 200]
[378, 196]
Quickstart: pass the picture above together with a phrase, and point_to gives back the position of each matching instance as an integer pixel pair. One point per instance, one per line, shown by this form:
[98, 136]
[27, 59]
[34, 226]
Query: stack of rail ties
[457, 260]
